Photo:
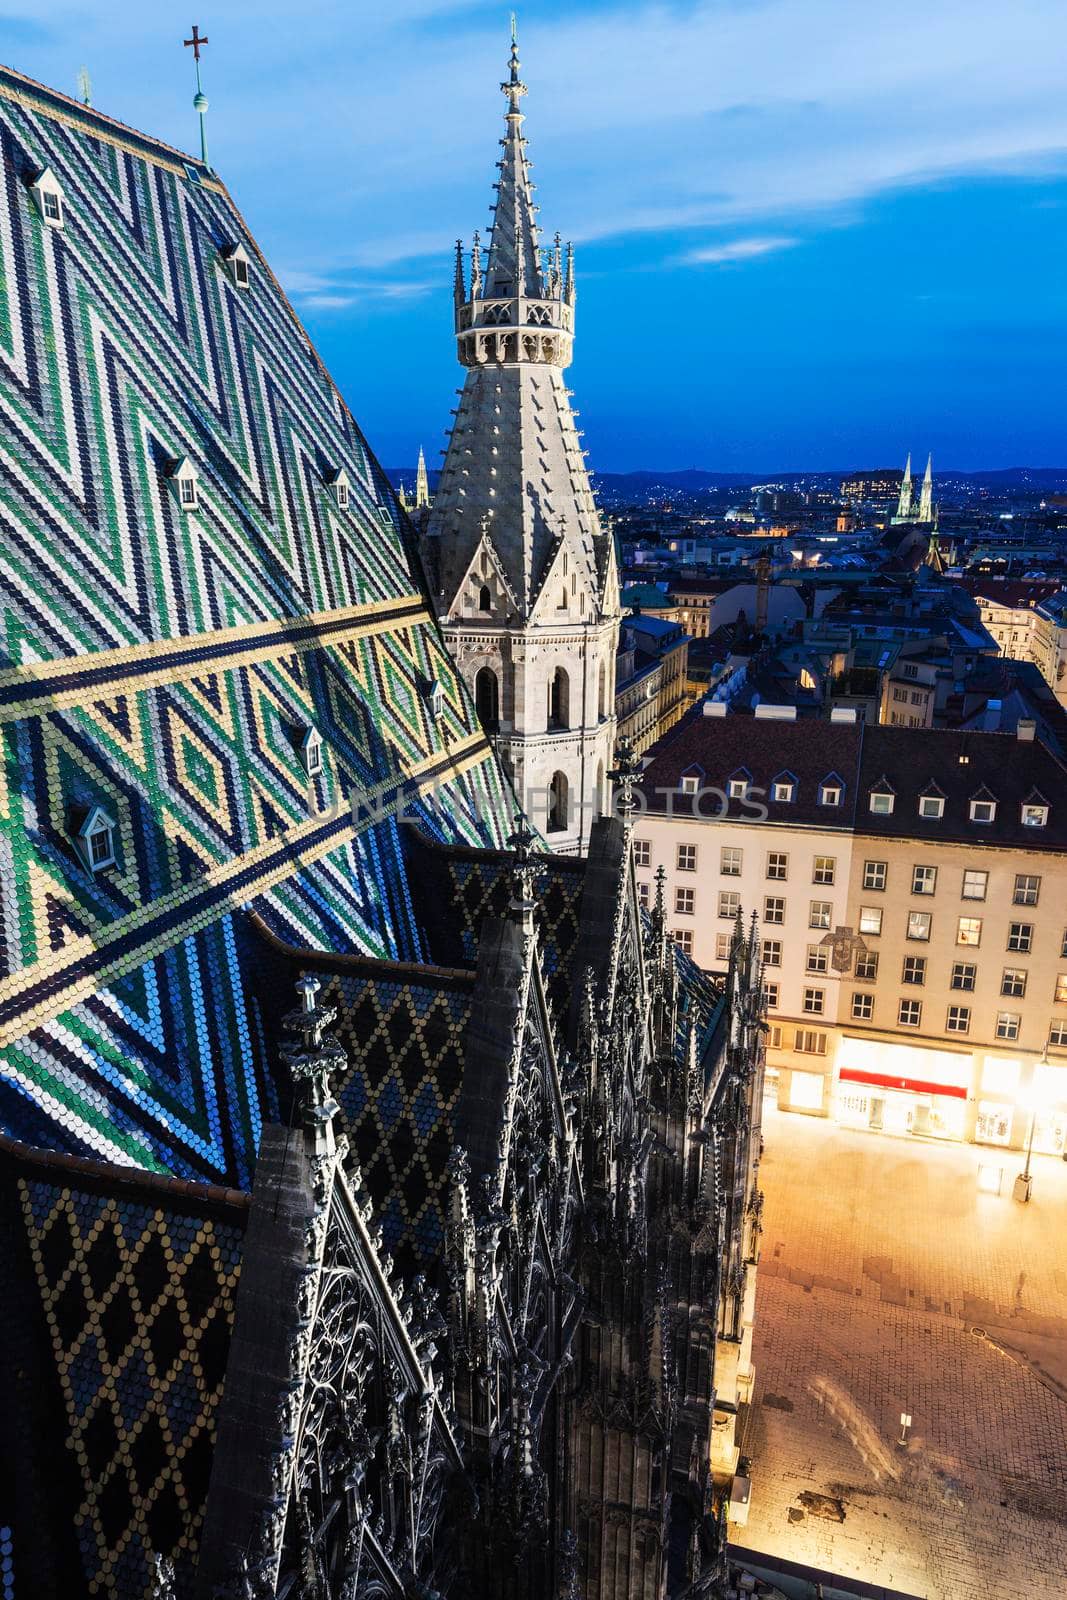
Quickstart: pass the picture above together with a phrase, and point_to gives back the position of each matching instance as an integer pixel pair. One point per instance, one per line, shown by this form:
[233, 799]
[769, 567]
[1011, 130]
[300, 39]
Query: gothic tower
[926, 495]
[904, 502]
[522, 572]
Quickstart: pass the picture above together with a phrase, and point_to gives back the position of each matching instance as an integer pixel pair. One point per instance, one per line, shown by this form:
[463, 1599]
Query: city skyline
[830, 244]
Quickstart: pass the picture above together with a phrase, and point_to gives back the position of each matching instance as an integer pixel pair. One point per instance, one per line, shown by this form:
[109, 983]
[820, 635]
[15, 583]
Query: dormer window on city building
[94, 838]
[932, 805]
[784, 788]
[48, 197]
[689, 782]
[738, 785]
[983, 807]
[882, 800]
[339, 485]
[1034, 813]
[830, 790]
[311, 752]
[235, 259]
[186, 481]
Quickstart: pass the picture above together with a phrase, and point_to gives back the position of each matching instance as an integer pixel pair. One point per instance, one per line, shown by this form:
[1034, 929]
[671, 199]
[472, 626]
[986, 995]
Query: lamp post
[1024, 1183]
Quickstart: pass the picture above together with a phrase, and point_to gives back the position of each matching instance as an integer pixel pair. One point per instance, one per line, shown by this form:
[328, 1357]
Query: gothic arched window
[559, 701]
[557, 804]
[487, 699]
[485, 599]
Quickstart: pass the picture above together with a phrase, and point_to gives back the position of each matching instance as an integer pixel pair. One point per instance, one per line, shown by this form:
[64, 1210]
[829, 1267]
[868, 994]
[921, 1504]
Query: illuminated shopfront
[902, 1089]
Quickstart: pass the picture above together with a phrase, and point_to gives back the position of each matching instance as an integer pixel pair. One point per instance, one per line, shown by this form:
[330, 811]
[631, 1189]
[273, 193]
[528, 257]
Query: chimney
[1026, 729]
[766, 712]
[715, 708]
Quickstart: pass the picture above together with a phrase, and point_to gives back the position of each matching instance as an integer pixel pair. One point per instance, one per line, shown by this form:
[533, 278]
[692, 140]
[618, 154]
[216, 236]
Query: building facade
[522, 571]
[909, 886]
[651, 680]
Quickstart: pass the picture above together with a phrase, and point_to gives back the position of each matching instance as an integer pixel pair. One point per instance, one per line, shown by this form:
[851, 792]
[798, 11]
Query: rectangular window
[830, 794]
[737, 788]
[1060, 995]
[1013, 982]
[974, 885]
[1020, 937]
[773, 909]
[53, 209]
[814, 1000]
[923, 880]
[642, 895]
[729, 903]
[723, 942]
[824, 869]
[969, 930]
[862, 1006]
[774, 1036]
[900, 694]
[1057, 1031]
[867, 966]
[683, 901]
[958, 1019]
[1027, 886]
[870, 919]
[909, 1013]
[690, 784]
[882, 804]
[772, 952]
[914, 970]
[683, 937]
[783, 791]
[818, 958]
[919, 924]
[1034, 816]
[642, 853]
[730, 858]
[963, 975]
[810, 1043]
[1008, 1024]
[819, 916]
[187, 490]
[687, 858]
[874, 874]
[983, 810]
[771, 993]
[931, 806]
[777, 864]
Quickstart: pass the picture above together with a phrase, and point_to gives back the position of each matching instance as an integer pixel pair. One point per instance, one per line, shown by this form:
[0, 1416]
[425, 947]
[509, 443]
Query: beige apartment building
[911, 891]
[1028, 620]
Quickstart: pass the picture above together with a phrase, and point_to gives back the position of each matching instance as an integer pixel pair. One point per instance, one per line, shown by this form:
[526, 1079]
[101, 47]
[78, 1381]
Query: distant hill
[694, 479]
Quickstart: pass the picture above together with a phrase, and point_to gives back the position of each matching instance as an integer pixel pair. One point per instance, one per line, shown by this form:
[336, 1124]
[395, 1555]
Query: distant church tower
[906, 511]
[422, 483]
[523, 573]
[904, 502]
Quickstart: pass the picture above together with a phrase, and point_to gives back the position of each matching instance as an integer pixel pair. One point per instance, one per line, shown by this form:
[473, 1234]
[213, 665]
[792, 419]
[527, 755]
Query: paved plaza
[888, 1283]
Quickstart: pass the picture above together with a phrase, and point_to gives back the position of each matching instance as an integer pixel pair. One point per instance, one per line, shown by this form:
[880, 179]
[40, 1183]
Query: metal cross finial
[196, 41]
[200, 101]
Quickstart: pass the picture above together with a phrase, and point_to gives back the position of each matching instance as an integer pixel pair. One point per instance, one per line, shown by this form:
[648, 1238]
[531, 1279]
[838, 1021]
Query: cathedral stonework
[522, 572]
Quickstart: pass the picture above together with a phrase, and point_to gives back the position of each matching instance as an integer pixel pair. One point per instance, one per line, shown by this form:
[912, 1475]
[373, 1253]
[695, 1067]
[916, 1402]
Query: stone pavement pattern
[887, 1283]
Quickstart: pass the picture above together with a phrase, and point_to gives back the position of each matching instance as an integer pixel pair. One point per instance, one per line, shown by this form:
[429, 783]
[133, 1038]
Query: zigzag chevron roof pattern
[165, 661]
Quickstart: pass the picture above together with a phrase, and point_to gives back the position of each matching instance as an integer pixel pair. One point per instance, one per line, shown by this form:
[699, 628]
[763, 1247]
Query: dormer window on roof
[830, 790]
[738, 785]
[882, 799]
[1034, 812]
[235, 259]
[339, 485]
[186, 481]
[784, 788]
[932, 804]
[983, 807]
[689, 781]
[48, 198]
[311, 752]
[94, 839]
[435, 697]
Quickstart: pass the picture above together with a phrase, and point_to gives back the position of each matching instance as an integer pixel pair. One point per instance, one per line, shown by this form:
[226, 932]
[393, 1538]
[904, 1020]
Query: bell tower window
[487, 699]
[557, 804]
[559, 701]
[485, 599]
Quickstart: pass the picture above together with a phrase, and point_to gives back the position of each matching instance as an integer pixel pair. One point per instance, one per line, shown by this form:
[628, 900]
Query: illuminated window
[974, 885]
[1027, 888]
[909, 1013]
[874, 874]
[870, 919]
[723, 941]
[730, 858]
[919, 924]
[914, 970]
[771, 993]
[963, 975]
[1034, 816]
[1057, 1031]
[1008, 1024]
[969, 930]
[867, 966]
[642, 853]
[683, 902]
[862, 1006]
[729, 903]
[772, 952]
[818, 958]
[773, 909]
[923, 880]
[1013, 982]
[958, 1019]
[1020, 937]
[814, 1002]
[820, 914]
[687, 858]
[824, 869]
[1060, 995]
[777, 864]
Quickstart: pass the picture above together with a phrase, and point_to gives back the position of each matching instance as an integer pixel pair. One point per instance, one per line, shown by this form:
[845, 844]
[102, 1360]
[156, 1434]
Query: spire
[904, 503]
[196, 44]
[422, 482]
[459, 288]
[926, 497]
[513, 266]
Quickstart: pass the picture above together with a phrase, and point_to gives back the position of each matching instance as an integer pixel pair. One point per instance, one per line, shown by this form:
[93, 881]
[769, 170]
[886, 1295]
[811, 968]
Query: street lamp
[1033, 1101]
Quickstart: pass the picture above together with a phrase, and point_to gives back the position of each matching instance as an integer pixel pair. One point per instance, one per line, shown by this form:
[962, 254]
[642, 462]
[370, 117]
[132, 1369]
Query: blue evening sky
[810, 233]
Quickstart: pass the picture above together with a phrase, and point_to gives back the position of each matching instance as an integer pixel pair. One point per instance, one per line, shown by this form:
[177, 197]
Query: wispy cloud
[738, 250]
[319, 291]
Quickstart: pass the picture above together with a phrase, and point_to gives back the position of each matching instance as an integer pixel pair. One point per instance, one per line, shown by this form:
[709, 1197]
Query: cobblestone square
[888, 1283]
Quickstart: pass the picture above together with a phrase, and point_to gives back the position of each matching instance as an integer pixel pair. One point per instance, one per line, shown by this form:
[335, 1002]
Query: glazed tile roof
[164, 661]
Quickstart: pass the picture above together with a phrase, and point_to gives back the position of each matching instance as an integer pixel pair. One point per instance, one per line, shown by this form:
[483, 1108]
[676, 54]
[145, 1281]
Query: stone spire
[904, 503]
[926, 495]
[514, 266]
[422, 483]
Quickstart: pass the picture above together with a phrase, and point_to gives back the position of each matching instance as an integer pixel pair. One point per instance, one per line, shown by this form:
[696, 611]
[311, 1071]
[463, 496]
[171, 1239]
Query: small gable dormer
[932, 803]
[435, 699]
[339, 484]
[237, 264]
[739, 783]
[48, 197]
[831, 790]
[311, 752]
[784, 788]
[186, 480]
[1034, 811]
[883, 797]
[93, 834]
[691, 779]
[983, 805]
